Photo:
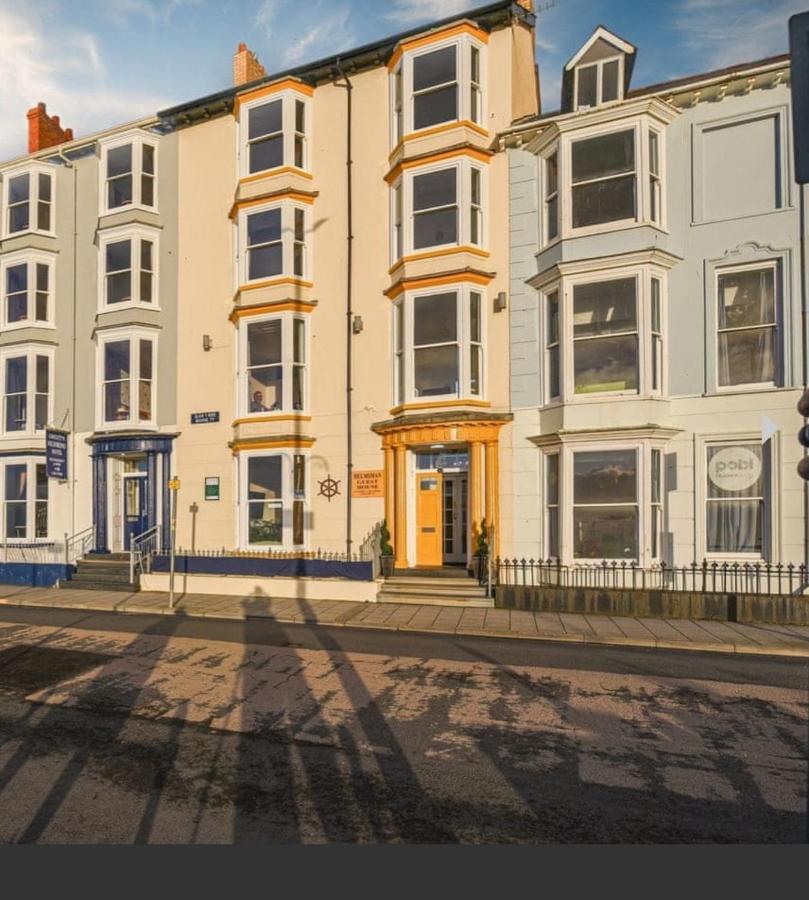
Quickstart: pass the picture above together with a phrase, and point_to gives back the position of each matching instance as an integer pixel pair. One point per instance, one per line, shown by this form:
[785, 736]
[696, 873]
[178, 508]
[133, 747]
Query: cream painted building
[343, 262]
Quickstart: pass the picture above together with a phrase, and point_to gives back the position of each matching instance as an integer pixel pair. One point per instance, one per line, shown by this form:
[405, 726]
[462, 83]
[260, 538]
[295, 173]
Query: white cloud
[44, 62]
[304, 32]
[156, 12]
[411, 12]
[719, 33]
[265, 16]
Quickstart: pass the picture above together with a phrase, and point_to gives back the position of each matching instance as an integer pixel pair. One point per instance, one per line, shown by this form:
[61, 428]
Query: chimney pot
[44, 130]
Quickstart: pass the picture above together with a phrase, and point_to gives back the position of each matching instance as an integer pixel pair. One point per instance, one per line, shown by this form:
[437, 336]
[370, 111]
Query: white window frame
[30, 352]
[31, 259]
[643, 275]
[138, 140]
[287, 208]
[30, 462]
[463, 197]
[642, 447]
[288, 364]
[33, 172]
[463, 340]
[777, 326]
[641, 126]
[287, 96]
[547, 344]
[135, 234]
[134, 335]
[599, 65]
[547, 196]
[772, 490]
[463, 79]
[287, 481]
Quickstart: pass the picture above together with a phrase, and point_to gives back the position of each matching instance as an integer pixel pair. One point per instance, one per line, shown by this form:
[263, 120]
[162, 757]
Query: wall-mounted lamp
[500, 302]
[207, 343]
[357, 325]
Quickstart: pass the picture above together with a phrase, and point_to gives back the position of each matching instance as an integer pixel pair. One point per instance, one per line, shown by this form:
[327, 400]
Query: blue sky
[98, 63]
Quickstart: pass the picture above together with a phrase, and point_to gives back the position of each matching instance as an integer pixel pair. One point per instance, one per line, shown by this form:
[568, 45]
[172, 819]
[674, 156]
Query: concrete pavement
[675, 634]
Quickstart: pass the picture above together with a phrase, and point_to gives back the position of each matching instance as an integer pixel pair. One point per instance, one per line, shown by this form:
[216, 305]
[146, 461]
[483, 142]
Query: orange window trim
[274, 282]
[270, 89]
[406, 407]
[433, 38]
[246, 420]
[415, 284]
[245, 312]
[272, 173]
[269, 199]
[295, 443]
[482, 156]
[434, 254]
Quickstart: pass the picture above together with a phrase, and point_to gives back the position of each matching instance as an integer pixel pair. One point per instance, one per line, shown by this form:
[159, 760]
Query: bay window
[27, 285]
[736, 499]
[26, 378]
[127, 367]
[273, 500]
[439, 344]
[275, 133]
[25, 500]
[438, 84]
[129, 173]
[443, 207]
[605, 336]
[274, 351]
[605, 504]
[274, 241]
[747, 331]
[603, 179]
[28, 202]
[128, 267]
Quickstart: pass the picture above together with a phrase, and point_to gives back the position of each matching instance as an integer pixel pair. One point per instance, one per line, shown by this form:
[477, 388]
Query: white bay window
[274, 356]
[28, 201]
[24, 483]
[27, 280]
[273, 500]
[129, 173]
[274, 242]
[26, 382]
[126, 370]
[128, 267]
[275, 133]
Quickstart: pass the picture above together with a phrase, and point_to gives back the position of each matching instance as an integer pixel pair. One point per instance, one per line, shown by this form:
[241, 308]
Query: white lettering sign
[734, 469]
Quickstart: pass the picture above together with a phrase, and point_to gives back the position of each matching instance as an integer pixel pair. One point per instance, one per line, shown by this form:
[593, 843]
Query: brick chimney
[44, 130]
[245, 66]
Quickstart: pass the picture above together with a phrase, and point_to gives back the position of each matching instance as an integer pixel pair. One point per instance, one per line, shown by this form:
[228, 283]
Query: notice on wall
[56, 454]
[368, 483]
[212, 488]
[204, 418]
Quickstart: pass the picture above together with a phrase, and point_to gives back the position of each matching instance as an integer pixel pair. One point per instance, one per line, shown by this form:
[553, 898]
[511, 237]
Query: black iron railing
[705, 577]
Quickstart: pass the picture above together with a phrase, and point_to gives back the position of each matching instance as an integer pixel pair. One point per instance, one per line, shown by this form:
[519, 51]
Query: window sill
[116, 307]
[438, 402]
[279, 416]
[129, 207]
[251, 177]
[28, 232]
[19, 326]
[609, 228]
[126, 426]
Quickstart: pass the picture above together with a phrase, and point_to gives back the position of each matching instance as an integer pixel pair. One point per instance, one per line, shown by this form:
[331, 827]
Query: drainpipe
[72, 461]
[349, 311]
[805, 354]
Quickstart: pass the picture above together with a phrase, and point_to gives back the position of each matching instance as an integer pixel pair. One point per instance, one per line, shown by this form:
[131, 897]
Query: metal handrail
[77, 545]
[142, 548]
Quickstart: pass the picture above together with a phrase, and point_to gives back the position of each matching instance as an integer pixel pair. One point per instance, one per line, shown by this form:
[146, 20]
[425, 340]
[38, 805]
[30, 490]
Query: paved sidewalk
[677, 634]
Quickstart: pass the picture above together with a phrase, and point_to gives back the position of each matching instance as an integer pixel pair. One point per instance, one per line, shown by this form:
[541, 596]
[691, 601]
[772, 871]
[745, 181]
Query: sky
[101, 63]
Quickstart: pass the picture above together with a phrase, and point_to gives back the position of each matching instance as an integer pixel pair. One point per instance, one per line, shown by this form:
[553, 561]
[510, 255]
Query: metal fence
[705, 577]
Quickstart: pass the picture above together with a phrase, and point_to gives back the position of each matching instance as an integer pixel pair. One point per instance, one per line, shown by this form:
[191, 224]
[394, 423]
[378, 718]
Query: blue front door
[135, 512]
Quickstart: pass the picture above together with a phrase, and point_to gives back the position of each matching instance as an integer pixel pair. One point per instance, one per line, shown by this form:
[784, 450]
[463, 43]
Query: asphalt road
[134, 729]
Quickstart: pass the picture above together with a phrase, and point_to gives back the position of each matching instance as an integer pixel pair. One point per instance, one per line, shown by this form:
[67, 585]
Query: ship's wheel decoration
[329, 488]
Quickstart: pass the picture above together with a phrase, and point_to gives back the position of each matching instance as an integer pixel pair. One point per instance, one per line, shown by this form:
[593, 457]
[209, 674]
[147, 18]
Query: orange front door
[429, 536]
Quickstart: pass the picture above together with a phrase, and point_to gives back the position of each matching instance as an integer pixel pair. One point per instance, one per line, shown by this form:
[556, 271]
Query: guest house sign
[368, 483]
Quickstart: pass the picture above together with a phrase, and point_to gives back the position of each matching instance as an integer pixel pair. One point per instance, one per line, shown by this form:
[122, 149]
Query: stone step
[102, 568]
[433, 600]
[107, 557]
[118, 586]
[428, 586]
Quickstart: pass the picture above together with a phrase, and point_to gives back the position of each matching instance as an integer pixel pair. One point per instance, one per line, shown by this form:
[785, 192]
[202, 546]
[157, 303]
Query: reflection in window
[552, 346]
[435, 209]
[435, 345]
[603, 176]
[435, 88]
[28, 202]
[129, 271]
[265, 256]
[265, 136]
[605, 338]
[265, 370]
[26, 388]
[265, 500]
[26, 292]
[128, 373]
[605, 505]
[552, 505]
[747, 327]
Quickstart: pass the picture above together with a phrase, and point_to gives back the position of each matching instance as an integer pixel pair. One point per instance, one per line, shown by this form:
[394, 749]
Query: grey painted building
[88, 250]
[656, 318]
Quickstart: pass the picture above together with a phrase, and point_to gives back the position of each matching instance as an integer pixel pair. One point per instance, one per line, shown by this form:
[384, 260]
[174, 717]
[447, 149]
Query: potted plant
[481, 550]
[386, 556]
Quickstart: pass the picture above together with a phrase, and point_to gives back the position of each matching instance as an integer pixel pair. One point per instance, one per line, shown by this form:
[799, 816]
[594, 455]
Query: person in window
[257, 403]
[122, 413]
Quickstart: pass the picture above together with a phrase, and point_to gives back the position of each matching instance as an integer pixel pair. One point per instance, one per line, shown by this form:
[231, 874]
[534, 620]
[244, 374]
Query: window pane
[116, 360]
[600, 157]
[264, 475]
[552, 480]
[587, 76]
[551, 174]
[474, 317]
[264, 227]
[148, 159]
[146, 359]
[435, 107]
[16, 375]
[116, 401]
[119, 192]
[299, 224]
[146, 248]
[605, 532]
[747, 298]
[265, 262]
[264, 345]
[19, 218]
[266, 119]
[145, 401]
[474, 369]
[266, 389]
[147, 190]
[119, 161]
[656, 476]
[604, 307]
[297, 387]
[42, 374]
[267, 154]
[435, 319]
[606, 364]
[605, 476]
[266, 524]
[435, 189]
[299, 340]
[735, 526]
[604, 201]
[44, 216]
[300, 116]
[119, 287]
[16, 495]
[433, 228]
[19, 189]
[119, 256]
[434, 68]
[264, 493]
[436, 371]
[747, 357]
[609, 81]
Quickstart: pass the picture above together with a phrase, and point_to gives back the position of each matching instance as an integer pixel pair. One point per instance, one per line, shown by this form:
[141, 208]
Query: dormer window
[598, 83]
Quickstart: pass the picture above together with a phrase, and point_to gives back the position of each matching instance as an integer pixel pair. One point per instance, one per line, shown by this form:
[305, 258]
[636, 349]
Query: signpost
[174, 487]
[56, 454]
